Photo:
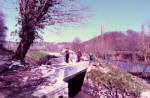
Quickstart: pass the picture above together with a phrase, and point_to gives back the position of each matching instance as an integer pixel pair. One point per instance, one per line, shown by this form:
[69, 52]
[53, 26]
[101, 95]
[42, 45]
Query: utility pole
[144, 47]
[102, 28]
[143, 36]
[102, 37]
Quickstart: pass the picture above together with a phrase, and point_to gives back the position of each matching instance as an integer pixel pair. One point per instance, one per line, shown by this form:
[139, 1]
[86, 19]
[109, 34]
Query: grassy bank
[37, 55]
[105, 73]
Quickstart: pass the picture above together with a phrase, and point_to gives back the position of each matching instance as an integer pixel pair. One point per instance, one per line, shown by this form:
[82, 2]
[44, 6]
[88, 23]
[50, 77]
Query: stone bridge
[64, 80]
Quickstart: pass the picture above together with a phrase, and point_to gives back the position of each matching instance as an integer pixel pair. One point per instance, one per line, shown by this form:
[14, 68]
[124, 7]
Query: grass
[122, 80]
[36, 54]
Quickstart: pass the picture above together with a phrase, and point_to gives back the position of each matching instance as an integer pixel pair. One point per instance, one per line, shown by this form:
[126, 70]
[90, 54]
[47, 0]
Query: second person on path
[67, 55]
[79, 54]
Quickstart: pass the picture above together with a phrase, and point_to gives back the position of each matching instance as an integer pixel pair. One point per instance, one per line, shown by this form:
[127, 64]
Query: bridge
[64, 80]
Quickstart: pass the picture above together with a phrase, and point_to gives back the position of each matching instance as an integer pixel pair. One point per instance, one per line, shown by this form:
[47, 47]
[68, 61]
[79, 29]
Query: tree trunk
[27, 38]
[22, 50]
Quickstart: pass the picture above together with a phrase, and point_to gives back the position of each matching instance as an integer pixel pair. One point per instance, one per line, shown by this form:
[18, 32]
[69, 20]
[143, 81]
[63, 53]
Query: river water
[129, 67]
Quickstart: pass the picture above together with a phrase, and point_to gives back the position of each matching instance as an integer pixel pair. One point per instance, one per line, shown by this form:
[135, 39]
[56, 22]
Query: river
[129, 67]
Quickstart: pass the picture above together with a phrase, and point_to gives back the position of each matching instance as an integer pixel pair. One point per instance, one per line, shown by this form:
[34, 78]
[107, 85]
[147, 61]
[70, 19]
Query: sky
[116, 15]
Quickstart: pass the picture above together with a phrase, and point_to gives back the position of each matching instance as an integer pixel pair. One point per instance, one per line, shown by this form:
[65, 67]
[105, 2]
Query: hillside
[118, 41]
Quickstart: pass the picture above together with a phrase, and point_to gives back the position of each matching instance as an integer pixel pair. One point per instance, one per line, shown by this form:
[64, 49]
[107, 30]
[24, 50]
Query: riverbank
[112, 83]
[143, 75]
[134, 69]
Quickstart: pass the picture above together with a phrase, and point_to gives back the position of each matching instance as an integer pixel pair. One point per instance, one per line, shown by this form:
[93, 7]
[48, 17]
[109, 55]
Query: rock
[56, 60]
[25, 79]
[16, 63]
[104, 70]
[45, 60]
[53, 81]
[145, 94]
[46, 70]
[89, 69]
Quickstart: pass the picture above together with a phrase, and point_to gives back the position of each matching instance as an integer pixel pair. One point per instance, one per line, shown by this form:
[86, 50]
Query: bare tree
[36, 14]
[76, 44]
[145, 47]
[133, 41]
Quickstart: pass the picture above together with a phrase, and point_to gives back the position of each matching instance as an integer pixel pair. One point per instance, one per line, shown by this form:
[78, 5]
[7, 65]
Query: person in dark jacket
[90, 58]
[67, 55]
[79, 54]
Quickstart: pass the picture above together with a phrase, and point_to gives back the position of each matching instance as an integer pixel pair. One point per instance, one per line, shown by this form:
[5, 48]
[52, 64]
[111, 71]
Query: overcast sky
[117, 15]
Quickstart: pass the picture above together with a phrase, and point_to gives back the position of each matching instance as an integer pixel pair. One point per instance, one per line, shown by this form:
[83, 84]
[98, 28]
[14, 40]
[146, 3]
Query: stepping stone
[145, 94]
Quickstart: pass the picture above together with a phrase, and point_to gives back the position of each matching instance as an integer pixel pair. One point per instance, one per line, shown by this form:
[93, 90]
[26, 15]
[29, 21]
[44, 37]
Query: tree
[3, 28]
[36, 14]
[133, 41]
[76, 44]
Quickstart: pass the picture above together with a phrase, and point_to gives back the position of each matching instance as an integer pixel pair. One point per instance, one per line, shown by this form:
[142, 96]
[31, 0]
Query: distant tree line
[111, 42]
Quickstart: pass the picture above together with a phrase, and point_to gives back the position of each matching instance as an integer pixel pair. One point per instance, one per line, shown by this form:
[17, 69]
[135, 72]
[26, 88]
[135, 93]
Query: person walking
[90, 58]
[67, 55]
[79, 54]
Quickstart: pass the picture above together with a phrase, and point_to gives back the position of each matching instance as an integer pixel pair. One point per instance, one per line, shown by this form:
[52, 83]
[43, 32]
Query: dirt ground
[17, 82]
